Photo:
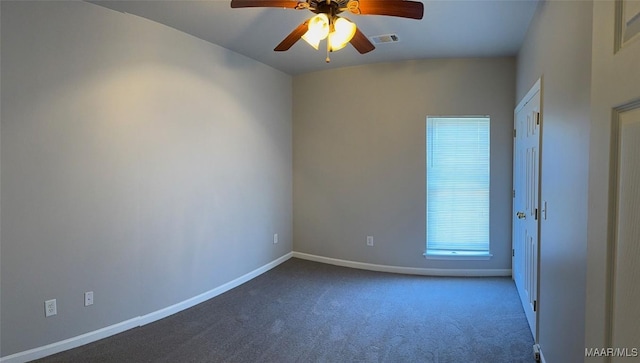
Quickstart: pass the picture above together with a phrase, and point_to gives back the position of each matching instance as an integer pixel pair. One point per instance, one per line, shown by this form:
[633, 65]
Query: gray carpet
[303, 311]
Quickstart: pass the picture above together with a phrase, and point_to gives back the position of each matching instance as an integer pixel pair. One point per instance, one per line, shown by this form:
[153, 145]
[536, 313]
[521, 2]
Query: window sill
[457, 255]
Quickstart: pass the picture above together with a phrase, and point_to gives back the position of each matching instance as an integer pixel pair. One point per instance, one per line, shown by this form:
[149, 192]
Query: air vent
[385, 38]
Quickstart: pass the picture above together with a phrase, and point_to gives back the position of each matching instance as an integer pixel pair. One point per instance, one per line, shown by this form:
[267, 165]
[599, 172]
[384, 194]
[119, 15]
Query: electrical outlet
[369, 240]
[88, 298]
[275, 238]
[50, 308]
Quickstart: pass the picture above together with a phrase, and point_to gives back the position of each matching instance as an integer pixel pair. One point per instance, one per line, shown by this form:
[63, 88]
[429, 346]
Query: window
[457, 186]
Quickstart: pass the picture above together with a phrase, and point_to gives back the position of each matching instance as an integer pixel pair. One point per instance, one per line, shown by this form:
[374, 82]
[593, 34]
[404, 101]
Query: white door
[526, 209]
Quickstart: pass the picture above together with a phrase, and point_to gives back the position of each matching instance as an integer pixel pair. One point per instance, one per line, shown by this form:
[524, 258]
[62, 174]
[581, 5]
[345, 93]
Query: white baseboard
[53, 348]
[108, 331]
[405, 270]
[163, 313]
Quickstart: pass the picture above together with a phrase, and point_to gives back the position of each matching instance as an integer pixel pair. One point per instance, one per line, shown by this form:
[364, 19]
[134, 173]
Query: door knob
[521, 215]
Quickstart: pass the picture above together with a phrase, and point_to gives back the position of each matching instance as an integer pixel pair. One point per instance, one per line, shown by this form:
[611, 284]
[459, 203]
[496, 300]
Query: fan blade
[292, 38]
[264, 4]
[400, 8]
[361, 42]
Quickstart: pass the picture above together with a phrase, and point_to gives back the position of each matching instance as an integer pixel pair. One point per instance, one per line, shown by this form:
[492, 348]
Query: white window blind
[458, 184]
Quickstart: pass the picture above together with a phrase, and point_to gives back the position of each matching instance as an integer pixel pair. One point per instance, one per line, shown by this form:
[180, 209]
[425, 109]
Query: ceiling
[449, 29]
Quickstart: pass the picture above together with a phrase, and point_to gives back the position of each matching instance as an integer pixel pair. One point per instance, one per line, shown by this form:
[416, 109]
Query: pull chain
[331, 29]
[328, 59]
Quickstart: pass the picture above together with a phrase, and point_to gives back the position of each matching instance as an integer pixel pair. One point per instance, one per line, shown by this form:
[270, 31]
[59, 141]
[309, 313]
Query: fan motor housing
[322, 7]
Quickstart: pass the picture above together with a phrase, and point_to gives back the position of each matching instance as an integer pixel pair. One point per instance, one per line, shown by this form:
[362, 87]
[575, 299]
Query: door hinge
[513, 252]
[514, 133]
[536, 214]
[514, 193]
[537, 118]
[535, 305]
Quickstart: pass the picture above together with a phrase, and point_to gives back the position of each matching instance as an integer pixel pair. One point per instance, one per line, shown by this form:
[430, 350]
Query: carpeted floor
[304, 311]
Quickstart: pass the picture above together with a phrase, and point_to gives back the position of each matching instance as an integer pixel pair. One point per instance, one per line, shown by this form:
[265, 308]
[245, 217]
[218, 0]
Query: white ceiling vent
[385, 38]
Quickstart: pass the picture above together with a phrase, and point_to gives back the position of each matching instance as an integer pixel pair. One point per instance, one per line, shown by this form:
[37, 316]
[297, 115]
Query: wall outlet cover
[88, 298]
[50, 308]
[369, 240]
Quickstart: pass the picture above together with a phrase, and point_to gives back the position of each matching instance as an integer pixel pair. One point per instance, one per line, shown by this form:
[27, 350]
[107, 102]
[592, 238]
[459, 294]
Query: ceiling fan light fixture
[318, 30]
[326, 21]
[344, 30]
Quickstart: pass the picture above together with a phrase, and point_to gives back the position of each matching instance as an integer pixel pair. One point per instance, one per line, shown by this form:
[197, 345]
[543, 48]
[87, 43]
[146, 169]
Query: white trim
[163, 313]
[74, 342]
[532, 92]
[53, 348]
[405, 270]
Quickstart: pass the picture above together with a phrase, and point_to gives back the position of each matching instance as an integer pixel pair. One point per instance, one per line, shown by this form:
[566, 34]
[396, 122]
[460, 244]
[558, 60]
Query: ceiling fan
[327, 24]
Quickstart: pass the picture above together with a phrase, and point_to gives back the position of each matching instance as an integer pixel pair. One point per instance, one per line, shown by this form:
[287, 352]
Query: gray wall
[558, 48]
[359, 156]
[137, 162]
